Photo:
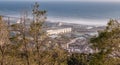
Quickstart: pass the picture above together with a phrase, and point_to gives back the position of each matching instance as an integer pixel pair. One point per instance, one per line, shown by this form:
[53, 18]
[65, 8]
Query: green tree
[107, 43]
[78, 59]
[37, 32]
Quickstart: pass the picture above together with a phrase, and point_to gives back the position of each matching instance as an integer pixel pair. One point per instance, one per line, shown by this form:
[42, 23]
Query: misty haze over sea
[91, 13]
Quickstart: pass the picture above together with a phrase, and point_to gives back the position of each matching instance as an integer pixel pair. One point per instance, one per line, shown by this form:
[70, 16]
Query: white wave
[97, 22]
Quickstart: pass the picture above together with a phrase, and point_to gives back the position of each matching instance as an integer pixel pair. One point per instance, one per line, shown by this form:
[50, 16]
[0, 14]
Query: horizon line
[57, 1]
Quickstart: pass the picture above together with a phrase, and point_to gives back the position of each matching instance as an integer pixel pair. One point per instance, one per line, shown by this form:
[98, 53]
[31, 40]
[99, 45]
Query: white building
[56, 31]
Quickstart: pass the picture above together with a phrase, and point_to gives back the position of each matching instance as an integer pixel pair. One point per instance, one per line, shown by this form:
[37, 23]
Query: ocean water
[90, 13]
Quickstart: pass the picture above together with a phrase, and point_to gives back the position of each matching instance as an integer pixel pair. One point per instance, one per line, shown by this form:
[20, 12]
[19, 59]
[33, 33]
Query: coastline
[94, 22]
[90, 22]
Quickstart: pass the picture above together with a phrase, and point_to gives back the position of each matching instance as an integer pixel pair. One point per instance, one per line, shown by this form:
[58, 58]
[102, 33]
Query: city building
[79, 45]
[59, 30]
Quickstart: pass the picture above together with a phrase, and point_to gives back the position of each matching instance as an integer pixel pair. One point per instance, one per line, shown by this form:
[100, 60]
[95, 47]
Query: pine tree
[107, 43]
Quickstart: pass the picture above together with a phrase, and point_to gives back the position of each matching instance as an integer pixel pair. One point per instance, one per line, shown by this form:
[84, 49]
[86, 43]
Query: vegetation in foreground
[31, 45]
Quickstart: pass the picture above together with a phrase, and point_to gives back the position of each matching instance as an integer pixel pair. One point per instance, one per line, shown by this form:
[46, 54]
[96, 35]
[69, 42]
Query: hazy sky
[69, 0]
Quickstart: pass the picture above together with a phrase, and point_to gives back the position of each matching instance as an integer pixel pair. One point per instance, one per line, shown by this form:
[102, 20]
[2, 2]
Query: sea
[90, 13]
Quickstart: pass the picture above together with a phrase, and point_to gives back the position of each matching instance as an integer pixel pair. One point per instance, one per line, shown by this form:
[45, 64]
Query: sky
[69, 0]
